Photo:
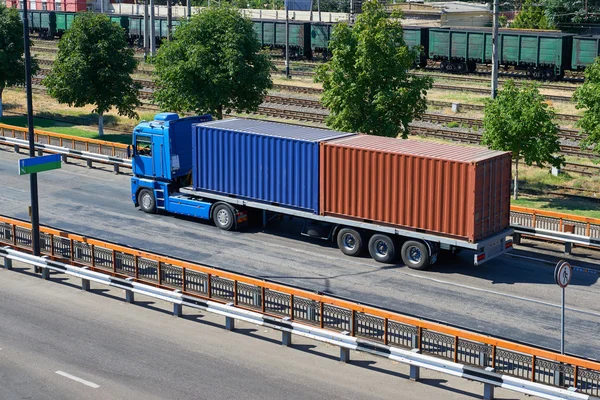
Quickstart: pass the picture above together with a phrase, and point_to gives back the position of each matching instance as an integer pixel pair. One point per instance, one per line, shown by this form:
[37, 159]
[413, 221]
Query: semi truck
[385, 196]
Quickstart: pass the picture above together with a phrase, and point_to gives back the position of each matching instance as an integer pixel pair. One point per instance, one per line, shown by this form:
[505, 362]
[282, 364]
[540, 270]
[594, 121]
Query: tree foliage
[214, 64]
[587, 97]
[94, 66]
[532, 16]
[12, 48]
[520, 121]
[366, 83]
[561, 12]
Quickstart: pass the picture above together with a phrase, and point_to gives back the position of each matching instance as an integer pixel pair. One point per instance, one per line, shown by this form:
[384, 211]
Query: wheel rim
[414, 255]
[223, 217]
[381, 248]
[146, 200]
[349, 241]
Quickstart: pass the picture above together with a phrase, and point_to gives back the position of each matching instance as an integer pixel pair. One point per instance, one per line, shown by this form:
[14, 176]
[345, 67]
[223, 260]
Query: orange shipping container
[457, 191]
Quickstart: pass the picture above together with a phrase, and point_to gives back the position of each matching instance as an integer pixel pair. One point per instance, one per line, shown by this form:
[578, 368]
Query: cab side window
[143, 146]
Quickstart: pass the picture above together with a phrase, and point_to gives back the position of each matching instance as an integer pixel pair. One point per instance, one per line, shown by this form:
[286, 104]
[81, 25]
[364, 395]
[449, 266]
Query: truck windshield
[143, 146]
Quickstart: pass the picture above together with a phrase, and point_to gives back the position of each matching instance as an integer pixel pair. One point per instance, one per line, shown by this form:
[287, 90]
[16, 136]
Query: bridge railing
[370, 324]
[103, 147]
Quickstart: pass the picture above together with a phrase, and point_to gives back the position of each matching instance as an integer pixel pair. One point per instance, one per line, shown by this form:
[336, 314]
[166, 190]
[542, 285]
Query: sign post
[562, 277]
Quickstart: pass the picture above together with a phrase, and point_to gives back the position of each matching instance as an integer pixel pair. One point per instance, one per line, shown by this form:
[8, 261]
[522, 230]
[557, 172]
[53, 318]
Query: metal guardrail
[111, 149]
[370, 327]
[567, 228]
[89, 150]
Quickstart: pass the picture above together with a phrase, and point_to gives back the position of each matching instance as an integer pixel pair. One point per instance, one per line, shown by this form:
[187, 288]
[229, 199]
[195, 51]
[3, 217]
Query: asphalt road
[59, 343]
[510, 297]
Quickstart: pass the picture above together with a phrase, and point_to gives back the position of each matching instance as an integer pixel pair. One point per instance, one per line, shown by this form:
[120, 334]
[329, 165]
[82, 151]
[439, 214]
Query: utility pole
[35, 215]
[189, 6]
[495, 44]
[146, 28]
[169, 18]
[287, 40]
[152, 30]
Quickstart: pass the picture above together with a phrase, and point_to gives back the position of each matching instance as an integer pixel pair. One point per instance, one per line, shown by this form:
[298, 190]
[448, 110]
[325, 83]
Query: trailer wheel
[415, 255]
[223, 217]
[350, 242]
[382, 248]
[147, 201]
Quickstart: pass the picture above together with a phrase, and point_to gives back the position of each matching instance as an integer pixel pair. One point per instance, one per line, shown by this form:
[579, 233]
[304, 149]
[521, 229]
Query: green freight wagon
[585, 51]
[64, 20]
[122, 21]
[544, 54]
[272, 35]
[320, 34]
[43, 23]
[136, 30]
[416, 36]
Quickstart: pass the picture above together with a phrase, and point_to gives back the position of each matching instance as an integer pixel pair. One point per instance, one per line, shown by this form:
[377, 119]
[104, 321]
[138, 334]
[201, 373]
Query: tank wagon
[386, 196]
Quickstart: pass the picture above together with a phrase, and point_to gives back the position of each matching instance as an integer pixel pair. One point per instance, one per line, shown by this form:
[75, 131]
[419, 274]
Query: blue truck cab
[162, 164]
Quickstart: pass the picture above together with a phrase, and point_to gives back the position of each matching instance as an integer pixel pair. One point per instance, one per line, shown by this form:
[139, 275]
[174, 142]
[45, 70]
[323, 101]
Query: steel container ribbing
[261, 161]
[424, 186]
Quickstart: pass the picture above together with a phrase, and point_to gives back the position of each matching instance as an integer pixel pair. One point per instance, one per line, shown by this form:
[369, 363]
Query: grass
[563, 204]
[66, 128]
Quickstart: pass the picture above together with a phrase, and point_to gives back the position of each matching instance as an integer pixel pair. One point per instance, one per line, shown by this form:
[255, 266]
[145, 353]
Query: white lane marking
[76, 379]
[512, 296]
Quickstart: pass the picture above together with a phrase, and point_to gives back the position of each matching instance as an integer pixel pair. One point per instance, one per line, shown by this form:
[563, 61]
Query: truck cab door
[143, 156]
[159, 167]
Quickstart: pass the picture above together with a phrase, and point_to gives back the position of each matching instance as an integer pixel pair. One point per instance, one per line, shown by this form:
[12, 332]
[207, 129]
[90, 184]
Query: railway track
[567, 134]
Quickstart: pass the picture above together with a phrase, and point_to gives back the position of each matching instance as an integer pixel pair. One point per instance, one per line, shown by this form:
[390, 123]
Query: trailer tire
[350, 242]
[382, 248]
[147, 201]
[223, 217]
[415, 255]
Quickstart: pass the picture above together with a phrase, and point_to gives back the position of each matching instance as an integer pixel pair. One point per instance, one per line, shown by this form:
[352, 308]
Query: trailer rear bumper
[492, 249]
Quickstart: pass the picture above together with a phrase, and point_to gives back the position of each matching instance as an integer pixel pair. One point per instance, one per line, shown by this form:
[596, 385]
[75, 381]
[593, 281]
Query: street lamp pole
[35, 216]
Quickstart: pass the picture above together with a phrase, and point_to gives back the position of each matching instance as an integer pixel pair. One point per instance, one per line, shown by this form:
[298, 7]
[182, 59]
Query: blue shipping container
[261, 161]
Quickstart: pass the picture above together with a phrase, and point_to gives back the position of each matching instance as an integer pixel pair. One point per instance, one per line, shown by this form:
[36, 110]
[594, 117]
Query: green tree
[561, 12]
[366, 83]
[587, 97]
[532, 16]
[519, 120]
[214, 64]
[94, 66]
[12, 48]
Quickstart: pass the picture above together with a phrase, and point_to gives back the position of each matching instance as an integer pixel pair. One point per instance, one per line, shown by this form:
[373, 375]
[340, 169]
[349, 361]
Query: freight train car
[271, 35]
[585, 50]
[544, 54]
[417, 37]
[320, 34]
[390, 197]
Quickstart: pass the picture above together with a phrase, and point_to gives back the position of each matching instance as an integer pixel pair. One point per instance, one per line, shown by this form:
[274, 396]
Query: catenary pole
[146, 27]
[169, 18]
[35, 216]
[495, 44]
[287, 41]
[189, 8]
[152, 30]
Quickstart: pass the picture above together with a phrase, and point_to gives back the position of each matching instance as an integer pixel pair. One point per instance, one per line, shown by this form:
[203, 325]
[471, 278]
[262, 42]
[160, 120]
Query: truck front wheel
[223, 217]
[382, 248]
[146, 201]
[415, 255]
[350, 242]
